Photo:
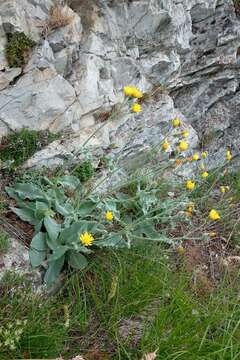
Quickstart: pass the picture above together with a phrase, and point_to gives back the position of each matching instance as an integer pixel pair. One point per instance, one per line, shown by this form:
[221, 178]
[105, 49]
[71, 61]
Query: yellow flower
[183, 145]
[204, 154]
[133, 92]
[109, 216]
[195, 157]
[179, 161]
[128, 90]
[190, 185]
[204, 175]
[136, 93]
[214, 215]
[176, 122]
[202, 166]
[136, 108]
[222, 189]
[86, 238]
[165, 145]
[190, 207]
[185, 134]
[212, 234]
[180, 250]
[228, 155]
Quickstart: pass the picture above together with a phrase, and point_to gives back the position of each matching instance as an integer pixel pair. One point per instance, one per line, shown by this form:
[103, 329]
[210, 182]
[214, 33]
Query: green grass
[4, 242]
[122, 286]
[19, 146]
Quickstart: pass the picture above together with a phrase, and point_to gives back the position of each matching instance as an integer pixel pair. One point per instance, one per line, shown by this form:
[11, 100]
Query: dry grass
[59, 17]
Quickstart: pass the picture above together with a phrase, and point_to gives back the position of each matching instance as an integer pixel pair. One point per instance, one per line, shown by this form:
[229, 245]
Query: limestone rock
[6, 77]
[45, 99]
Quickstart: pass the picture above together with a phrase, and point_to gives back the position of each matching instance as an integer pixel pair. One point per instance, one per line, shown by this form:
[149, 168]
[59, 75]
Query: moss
[20, 146]
[84, 171]
[17, 49]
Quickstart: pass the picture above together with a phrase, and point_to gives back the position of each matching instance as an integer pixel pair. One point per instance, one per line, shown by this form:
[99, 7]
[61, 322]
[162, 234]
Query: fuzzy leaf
[38, 250]
[113, 240]
[70, 235]
[77, 260]
[53, 271]
[52, 228]
[69, 181]
[58, 253]
[86, 208]
[25, 214]
[29, 191]
[64, 209]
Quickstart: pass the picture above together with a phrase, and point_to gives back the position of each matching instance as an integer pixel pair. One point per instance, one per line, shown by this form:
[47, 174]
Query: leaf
[147, 228]
[86, 208]
[113, 289]
[38, 250]
[52, 228]
[64, 209]
[53, 271]
[69, 181]
[147, 200]
[71, 234]
[77, 260]
[41, 208]
[114, 240]
[58, 253]
[25, 214]
[29, 191]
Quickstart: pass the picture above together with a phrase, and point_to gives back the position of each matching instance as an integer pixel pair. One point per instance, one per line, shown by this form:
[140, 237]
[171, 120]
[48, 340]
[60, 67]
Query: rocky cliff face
[185, 52]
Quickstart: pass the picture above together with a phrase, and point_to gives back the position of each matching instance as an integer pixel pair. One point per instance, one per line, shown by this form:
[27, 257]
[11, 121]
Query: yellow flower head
[204, 175]
[204, 154]
[228, 155]
[179, 161]
[132, 91]
[165, 145]
[190, 185]
[222, 189]
[183, 145]
[136, 108]
[195, 157]
[180, 250]
[212, 234]
[136, 93]
[109, 216]
[185, 134]
[214, 215]
[176, 122]
[190, 207]
[128, 90]
[86, 238]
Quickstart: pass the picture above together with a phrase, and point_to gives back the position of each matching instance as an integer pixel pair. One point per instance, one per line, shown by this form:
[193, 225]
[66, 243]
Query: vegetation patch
[59, 17]
[84, 171]
[18, 48]
[17, 147]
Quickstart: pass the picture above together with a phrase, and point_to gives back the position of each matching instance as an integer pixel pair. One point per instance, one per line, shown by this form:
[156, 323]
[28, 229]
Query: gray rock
[40, 100]
[17, 260]
[6, 77]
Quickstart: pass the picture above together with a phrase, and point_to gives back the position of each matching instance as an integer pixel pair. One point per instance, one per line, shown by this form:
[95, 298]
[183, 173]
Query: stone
[45, 99]
[17, 260]
[7, 76]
